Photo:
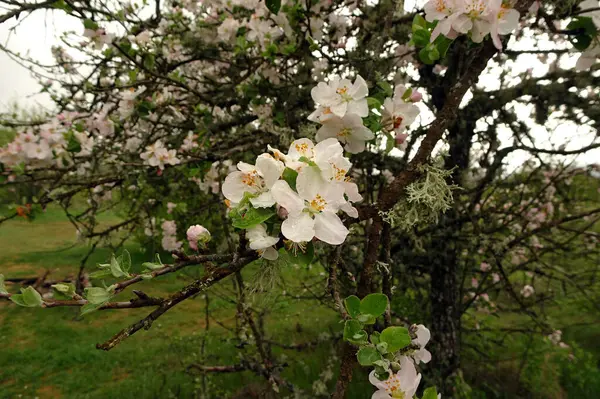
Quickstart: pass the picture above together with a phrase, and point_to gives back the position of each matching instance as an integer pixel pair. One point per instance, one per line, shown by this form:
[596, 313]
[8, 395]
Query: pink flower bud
[416, 96]
[401, 138]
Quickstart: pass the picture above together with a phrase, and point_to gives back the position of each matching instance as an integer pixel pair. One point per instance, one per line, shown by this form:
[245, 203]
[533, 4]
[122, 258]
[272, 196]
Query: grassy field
[50, 353]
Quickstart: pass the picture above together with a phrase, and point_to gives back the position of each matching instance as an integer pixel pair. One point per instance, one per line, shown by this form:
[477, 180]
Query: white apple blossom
[443, 11]
[228, 29]
[505, 21]
[262, 242]
[338, 97]
[527, 291]
[403, 384]
[157, 155]
[349, 130]
[423, 337]
[398, 112]
[98, 37]
[256, 180]
[312, 210]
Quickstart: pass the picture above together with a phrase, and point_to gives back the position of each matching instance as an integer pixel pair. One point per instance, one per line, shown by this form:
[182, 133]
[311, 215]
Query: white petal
[264, 200]
[375, 381]
[359, 107]
[349, 210]
[309, 183]
[270, 168]
[340, 108]
[359, 89]
[299, 227]
[351, 190]
[287, 198]
[234, 189]
[270, 254]
[329, 228]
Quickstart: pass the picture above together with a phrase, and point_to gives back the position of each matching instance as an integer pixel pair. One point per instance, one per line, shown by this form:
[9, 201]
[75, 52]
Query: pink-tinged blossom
[485, 267]
[402, 384]
[527, 291]
[98, 37]
[157, 155]
[197, 234]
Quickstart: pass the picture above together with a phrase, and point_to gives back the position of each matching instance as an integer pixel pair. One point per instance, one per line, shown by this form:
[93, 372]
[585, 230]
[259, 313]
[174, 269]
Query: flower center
[250, 179]
[397, 122]
[441, 6]
[340, 174]
[343, 92]
[344, 132]
[302, 148]
[318, 203]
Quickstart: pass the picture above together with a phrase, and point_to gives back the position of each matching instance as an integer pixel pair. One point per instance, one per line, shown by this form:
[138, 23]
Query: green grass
[50, 353]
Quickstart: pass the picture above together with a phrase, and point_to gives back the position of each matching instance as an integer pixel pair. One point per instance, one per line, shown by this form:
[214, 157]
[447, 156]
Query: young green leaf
[352, 304]
[89, 308]
[28, 297]
[250, 217]
[354, 333]
[64, 290]
[97, 295]
[273, 5]
[373, 304]
[396, 338]
[430, 393]
[125, 261]
[115, 268]
[367, 356]
[290, 175]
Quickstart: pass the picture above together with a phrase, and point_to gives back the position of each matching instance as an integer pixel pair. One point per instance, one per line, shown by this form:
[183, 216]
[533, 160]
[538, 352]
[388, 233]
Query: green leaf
[424, 56]
[28, 297]
[250, 217]
[419, 22]
[290, 175]
[273, 5]
[64, 290]
[373, 103]
[375, 337]
[352, 304]
[97, 295]
[396, 338]
[386, 87]
[581, 42]
[147, 276]
[89, 24]
[421, 37]
[354, 333]
[442, 43]
[115, 268]
[125, 261]
[430, 393]
[585, 24]
[98, 274]
[2, 286]
[367, 318]
[367, 355]
[373, 304]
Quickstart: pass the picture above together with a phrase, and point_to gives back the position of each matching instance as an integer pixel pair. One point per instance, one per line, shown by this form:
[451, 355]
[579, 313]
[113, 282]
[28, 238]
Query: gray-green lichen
[425, 199]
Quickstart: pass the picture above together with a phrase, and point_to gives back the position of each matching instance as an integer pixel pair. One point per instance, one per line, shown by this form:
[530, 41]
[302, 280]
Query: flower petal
[299, 227]
[287, 198]
[329, 228]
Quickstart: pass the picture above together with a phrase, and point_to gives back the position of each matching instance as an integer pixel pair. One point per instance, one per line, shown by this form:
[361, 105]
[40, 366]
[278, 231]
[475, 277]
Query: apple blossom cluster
[50, 144]
[158, 155]
[476, 18]
[308, 186]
